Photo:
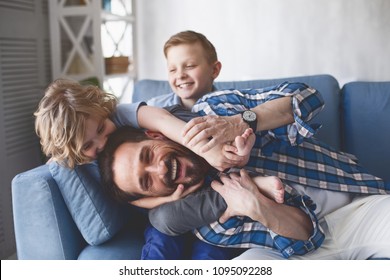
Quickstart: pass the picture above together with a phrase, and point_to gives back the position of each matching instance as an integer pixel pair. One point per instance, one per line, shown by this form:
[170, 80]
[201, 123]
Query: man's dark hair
[125, 134]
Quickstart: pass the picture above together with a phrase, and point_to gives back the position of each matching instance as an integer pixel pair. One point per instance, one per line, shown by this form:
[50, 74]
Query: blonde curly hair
[61, 116]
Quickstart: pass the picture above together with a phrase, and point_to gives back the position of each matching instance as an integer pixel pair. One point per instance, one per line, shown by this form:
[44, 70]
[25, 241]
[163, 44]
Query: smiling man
[153, 165]
[138, 164]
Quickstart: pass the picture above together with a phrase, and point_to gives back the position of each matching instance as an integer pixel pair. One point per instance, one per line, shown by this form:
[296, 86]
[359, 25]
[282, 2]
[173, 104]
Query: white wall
[349, 39]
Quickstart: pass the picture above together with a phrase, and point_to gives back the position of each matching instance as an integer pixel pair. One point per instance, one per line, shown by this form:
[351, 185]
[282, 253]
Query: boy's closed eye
[101, 127]
[87, 146]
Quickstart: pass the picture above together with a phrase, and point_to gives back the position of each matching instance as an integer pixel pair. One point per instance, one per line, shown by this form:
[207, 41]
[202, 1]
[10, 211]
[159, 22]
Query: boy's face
[95, 137]
[190, 75]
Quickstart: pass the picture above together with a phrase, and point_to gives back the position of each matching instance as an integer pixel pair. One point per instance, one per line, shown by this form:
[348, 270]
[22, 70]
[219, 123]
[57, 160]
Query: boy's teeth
[174, 169]
[183, 85]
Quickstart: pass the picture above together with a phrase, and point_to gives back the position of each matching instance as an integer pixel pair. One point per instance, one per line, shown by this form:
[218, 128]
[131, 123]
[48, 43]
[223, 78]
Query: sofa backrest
[325, 84]
[365, 111]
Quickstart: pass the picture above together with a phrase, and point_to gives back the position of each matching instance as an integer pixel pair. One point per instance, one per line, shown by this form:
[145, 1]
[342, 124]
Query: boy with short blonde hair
[191, 37]
[193, 66]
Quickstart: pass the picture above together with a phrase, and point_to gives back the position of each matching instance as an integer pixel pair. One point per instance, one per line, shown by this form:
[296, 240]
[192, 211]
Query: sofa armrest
[44, 229]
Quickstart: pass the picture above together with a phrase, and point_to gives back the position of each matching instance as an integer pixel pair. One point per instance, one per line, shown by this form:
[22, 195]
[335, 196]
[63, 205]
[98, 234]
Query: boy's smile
[190, 75]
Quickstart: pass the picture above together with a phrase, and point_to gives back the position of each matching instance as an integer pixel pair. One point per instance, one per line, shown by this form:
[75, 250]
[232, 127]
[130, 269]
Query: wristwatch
[250, 118]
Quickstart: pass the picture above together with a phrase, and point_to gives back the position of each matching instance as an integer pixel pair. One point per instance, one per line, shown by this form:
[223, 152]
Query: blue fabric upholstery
[44, 228]
[96, 215]
[366, 124]
[125, 245]
[63, 214]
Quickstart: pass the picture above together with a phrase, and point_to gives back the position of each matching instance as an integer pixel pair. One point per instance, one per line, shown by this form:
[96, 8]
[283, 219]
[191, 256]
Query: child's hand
[181, 192]
[152, 202]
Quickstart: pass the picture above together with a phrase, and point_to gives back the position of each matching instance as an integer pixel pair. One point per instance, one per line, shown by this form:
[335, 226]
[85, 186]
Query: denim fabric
[159, 246]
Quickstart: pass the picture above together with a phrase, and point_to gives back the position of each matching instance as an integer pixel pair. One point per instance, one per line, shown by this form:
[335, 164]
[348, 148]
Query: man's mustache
[167, 180]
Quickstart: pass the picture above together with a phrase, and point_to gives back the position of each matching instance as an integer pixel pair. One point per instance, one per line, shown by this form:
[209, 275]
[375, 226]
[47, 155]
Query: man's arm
[292, 229]
[195, 210]
[244, 199]
[288, 106]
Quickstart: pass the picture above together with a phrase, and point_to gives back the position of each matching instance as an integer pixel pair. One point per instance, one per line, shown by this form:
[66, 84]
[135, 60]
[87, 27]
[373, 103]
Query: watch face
[249, 116]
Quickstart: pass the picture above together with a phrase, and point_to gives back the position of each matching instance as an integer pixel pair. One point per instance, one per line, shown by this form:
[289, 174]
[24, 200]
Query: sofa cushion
[365, 108]
[126, 245]
[97, 216]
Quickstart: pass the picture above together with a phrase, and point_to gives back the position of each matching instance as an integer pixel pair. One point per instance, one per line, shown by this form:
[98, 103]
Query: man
[295, 88]
[132, 159]
[173, 165]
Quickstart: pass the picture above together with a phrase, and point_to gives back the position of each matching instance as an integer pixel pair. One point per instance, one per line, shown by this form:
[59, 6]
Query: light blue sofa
[57, 218]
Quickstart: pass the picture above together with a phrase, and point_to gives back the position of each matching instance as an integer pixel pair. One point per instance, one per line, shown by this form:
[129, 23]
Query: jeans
[159, 246]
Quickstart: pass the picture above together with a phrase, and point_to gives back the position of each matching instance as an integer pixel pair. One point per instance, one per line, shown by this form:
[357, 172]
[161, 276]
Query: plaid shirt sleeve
[288, 246]
[242, 232]
[306, 103]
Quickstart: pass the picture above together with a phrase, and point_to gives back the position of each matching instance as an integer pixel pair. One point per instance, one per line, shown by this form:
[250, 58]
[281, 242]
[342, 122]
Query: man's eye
[147, 157]
[148, 183]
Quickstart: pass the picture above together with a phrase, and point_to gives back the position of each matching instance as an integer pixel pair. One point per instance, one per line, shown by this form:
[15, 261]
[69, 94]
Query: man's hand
[219, 129]
[244, 198]
[240, 194]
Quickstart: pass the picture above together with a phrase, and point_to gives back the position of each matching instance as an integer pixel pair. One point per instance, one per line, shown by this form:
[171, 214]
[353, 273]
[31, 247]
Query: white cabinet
[94, 39]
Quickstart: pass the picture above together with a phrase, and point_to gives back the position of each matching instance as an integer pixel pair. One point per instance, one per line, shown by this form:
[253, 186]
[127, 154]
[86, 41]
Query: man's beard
[195, 173]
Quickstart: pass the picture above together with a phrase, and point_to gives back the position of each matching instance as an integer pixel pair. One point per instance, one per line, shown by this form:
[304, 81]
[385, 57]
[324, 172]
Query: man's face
[156, 167]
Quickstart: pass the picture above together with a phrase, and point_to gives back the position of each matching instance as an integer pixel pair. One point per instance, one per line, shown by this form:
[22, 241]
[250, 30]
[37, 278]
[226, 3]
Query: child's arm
[152, 202]
[160, 120]
[195, 210]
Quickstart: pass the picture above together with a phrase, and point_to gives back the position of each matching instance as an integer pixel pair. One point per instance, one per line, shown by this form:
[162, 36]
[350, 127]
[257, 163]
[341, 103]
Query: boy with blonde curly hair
[66, 119]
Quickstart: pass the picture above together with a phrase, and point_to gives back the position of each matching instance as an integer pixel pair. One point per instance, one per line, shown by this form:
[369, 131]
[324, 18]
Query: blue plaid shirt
[291, 154]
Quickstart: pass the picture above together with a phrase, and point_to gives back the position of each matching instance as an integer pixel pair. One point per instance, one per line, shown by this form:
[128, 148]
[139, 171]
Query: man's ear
[155, 135]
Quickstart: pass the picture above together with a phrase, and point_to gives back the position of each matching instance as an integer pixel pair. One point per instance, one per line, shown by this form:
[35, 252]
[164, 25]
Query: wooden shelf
[82, 35]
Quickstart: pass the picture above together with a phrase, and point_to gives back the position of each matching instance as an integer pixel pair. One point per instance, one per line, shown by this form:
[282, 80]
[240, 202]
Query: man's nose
[159, 168]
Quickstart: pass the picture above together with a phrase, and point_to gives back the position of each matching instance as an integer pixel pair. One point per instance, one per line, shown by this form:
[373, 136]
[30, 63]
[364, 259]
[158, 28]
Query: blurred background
[349, 39]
